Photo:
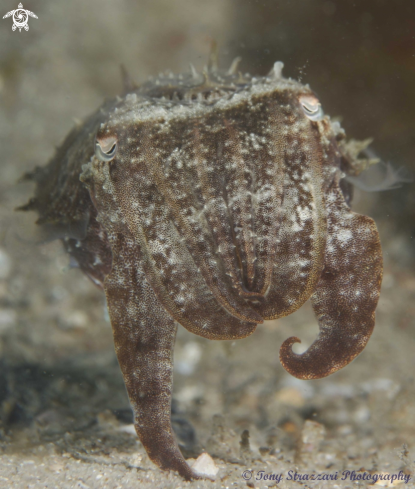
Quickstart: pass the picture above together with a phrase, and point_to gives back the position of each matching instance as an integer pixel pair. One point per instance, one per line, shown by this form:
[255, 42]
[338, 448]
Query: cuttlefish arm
[144, 336]
[346, 295]
[144, 332]
[144, 329]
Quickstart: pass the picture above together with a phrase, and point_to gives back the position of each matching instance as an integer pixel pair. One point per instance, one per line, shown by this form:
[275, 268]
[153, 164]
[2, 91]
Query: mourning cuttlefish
[214, 200]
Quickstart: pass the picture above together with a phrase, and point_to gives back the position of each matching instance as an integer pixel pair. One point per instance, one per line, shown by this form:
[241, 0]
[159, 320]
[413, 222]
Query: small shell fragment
[205, 465]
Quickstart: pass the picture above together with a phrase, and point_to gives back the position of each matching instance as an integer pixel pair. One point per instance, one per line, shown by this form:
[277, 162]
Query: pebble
[205, 465]
[361, 415]
[74, 320]
[290, 396]
[128, 428]
[312, 435]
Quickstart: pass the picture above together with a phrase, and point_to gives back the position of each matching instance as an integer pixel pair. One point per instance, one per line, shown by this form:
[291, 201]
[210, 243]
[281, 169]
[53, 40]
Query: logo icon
[20, 18]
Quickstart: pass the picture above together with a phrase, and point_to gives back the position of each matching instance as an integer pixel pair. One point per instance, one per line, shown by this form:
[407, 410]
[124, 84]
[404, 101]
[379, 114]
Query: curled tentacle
[346, 295]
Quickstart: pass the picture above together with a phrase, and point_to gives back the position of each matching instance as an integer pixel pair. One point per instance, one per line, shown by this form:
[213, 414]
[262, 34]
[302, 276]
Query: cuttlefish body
[216, 201]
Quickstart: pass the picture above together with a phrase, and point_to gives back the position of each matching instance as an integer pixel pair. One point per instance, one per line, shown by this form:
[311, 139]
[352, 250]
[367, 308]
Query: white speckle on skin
[304, 213]
[344, 235]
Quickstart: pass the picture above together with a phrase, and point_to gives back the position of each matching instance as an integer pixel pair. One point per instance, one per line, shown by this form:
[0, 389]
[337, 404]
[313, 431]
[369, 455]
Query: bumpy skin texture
[215, 201]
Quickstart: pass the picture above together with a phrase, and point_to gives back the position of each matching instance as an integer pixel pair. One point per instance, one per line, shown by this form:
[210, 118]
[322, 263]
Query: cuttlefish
[216, 201]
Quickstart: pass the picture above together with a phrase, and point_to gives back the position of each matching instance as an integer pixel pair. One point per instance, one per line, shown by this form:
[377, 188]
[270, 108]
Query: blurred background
[60, 386]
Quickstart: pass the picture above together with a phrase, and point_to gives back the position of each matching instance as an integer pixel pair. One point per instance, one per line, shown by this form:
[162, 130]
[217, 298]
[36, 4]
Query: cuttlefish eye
[106, 148]
[311, 107]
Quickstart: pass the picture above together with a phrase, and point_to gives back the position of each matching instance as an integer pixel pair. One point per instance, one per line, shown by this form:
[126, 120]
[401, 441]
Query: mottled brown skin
[217, 202]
